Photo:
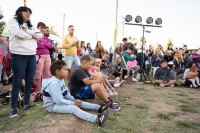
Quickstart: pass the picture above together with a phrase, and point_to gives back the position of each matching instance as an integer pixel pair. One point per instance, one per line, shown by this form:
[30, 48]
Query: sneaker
[138, 76]
[28, 107]
[162, 85]
[122, 82]
[104, 107]
[117, 85]
[191, 86]
[111, 94]
[13, 114]
[102, 118]
[126, 76]
[113, 101]
[115, 93]
[172, 85]
[134, 79]
[114, 107]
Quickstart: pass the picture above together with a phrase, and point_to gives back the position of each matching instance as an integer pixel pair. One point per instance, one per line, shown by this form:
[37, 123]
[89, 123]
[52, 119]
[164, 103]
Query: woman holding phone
[156, 58]
[23, 44]
[99, 50]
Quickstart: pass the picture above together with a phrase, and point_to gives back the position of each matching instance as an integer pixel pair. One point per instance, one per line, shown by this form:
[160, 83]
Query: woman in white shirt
[83, 48]
[139, 52]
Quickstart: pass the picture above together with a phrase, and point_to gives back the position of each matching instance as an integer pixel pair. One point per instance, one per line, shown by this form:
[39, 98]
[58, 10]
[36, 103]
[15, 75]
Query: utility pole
[96, 36]
[64, 25]
[123, 27]
[115, 29]
[24, 2]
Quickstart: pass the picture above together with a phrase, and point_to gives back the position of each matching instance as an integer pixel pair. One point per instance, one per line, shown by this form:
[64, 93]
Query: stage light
[158, 21]
[128, 18]
[138, 19]
[149, 20]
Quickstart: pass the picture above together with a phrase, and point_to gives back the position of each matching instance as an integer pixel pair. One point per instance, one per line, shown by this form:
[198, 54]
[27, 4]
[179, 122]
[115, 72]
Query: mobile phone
[75, 40]
[103, 62]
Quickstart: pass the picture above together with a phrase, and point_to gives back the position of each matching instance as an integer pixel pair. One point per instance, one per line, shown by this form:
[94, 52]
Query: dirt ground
[129, 95]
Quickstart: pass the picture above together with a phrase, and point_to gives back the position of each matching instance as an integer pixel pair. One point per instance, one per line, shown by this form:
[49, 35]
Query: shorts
[72, 60]
[178, 80]
[85, 93]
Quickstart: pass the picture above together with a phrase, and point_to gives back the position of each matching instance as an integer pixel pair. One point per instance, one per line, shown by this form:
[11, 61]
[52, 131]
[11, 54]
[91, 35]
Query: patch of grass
[187, 108]
[182, 101]
[150, 100]
[186, 124]
[158, 88]
[190, 98]
[142, 106]
[129, 129]
[166, 116]
[127, 96]
[141, 89]
[163, 116]
[180, 94]
[112, 118]
[192, 92]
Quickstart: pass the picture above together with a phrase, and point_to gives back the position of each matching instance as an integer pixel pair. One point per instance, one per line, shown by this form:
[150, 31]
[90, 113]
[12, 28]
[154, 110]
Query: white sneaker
[138, 76]
[162, 85]
[122, 82]
[126, 76]
[134, 79]
[172, 85]
[115, 93]
[117, 85]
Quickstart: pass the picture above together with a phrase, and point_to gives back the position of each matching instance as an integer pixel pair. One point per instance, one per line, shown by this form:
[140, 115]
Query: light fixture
[149, 20]
[128, 18]
[138, 19]
[158, 21]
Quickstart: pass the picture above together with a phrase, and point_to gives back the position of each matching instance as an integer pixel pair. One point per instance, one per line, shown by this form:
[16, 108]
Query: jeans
[106, 71]
[111, 55]
[20, 65]
[139, 56]
[42, 70]
[2, 71]
[72, 109]
[115, 56]
[72, 60]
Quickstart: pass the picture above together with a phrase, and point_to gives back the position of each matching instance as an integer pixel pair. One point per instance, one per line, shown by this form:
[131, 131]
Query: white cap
[170, 63]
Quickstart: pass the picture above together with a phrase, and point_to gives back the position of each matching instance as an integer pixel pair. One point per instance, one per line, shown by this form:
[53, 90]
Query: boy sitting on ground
[57, 98]
[163, 75]
[173, 74]
[82, 86]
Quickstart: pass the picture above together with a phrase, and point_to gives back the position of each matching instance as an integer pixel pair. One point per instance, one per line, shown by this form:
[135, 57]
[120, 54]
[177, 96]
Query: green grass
[187, 108]
[129, 129]
[186, 124]
[191, 98]
[182, 101]
[158, 88]
[180, 94]
[142, 106]
[141, 89]
[166, 116]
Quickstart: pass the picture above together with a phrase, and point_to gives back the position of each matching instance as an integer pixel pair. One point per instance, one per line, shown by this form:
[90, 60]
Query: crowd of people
[92, 68]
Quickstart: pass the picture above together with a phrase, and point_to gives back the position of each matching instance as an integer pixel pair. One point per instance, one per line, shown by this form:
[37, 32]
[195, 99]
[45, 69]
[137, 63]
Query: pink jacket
[43, 48]
[1, 55]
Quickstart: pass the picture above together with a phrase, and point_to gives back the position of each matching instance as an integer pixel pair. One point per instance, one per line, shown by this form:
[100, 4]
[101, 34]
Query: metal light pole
[24, 2]
[64, 25]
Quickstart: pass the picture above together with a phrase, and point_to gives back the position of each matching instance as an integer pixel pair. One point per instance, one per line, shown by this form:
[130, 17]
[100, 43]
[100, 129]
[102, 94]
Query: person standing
[23, 46]
[99, 50]
[150, 51]
[116, 52]
[70, 43]
[120, 49]
[111, 53]
[139, 52]
[4, 46]
[42, 67]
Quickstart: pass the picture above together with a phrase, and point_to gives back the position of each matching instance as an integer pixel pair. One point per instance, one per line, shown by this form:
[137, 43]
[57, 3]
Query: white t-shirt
[139, 47]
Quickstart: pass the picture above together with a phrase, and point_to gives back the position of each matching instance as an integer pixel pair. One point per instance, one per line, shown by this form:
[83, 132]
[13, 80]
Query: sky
[94, 20]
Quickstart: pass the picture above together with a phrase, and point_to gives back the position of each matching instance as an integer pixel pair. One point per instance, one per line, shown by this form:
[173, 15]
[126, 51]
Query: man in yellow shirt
[70, 44]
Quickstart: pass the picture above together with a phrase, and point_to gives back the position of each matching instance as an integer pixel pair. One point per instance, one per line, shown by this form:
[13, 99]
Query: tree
[132, 40]
[52, 31]
[2, 23]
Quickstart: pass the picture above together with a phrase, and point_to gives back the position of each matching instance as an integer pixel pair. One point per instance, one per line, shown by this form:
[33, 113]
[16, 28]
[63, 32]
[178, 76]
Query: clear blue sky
[181, 18]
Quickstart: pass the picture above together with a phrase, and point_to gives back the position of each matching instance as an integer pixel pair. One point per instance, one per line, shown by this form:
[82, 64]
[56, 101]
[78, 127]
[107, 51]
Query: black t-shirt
[76, 80]
[119, 68]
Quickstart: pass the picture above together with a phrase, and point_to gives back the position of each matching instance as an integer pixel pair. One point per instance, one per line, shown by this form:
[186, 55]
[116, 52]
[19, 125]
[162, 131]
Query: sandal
[111, 93]
[115, 93]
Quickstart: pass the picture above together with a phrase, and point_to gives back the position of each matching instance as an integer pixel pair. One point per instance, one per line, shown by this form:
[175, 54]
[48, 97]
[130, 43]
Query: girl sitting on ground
[96, 75]
[193, 76]
[179, 64]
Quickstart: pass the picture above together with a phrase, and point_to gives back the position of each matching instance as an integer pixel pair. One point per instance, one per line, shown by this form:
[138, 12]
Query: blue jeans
[106, 71]
[72, 109]
[20, 65]
[111, 55]
[139, 56]
[115, 56]
[72, 60]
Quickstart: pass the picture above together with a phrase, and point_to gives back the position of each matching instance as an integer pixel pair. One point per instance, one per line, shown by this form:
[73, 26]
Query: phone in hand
[103, 62]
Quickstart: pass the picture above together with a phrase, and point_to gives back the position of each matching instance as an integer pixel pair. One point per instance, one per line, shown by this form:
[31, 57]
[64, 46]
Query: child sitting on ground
[173, 74]
[193, 76]
[162, 75]
[82, 87]
[96, 75]
[118, 68]
[57, 98]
